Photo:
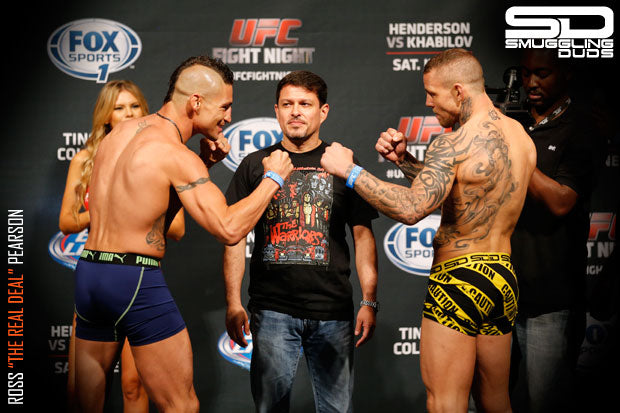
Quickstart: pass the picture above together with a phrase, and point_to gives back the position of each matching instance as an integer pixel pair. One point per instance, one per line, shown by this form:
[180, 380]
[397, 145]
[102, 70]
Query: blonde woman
[118, 100]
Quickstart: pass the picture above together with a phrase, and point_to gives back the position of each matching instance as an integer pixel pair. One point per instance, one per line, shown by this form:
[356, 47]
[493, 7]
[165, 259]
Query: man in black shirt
[300, 294]
[549, 242]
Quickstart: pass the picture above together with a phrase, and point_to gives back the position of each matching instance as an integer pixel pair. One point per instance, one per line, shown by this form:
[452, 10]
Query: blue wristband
[275, 177]
[353, 175]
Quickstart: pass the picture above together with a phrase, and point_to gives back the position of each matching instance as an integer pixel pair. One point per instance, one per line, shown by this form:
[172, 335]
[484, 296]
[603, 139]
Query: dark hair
[204, 60]
[305, 79]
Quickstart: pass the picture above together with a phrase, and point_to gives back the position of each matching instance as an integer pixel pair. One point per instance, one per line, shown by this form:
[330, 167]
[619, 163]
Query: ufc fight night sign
[553, 27]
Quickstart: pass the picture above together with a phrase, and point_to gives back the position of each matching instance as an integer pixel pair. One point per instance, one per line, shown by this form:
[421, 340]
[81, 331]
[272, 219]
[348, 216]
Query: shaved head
[197, 79]
[457, 66]
[199, 74]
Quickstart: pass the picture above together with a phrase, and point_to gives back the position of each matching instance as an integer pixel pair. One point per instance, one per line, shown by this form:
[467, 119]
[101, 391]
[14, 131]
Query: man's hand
[337, 159]
[278, 162]
[213, 151]
[237, 325]
[392, 145]
[365, 324]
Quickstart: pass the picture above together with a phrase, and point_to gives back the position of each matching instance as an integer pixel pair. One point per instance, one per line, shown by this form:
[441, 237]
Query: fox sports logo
[234, 353]
[91, 49]
[248, 136]
[410, 247]
[66, 249]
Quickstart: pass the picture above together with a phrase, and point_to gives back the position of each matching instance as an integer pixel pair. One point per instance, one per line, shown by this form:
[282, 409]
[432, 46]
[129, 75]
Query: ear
[324, 112]
[458, 92]
[195, 102]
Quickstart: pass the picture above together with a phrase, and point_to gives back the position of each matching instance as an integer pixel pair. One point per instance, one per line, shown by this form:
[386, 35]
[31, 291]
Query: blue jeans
[278, 340]
[548, 346]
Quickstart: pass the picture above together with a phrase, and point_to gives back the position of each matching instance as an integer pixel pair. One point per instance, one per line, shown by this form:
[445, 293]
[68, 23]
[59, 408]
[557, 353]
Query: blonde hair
[104, 106]
[457, 65]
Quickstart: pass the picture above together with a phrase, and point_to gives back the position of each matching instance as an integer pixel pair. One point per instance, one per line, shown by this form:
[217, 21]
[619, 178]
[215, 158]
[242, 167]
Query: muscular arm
[366, 265]
[410, 166]
[429, 189]
[559, 199]
[204, 201]
[234, 269]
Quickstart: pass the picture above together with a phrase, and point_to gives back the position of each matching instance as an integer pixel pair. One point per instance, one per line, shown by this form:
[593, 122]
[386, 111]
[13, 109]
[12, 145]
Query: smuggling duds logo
[91, 49]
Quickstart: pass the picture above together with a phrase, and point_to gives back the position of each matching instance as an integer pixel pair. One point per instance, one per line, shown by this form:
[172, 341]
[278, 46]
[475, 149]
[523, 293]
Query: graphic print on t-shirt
[297, 219]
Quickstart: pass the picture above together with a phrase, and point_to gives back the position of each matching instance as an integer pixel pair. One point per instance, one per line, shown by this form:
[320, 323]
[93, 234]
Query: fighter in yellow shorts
[473, 294]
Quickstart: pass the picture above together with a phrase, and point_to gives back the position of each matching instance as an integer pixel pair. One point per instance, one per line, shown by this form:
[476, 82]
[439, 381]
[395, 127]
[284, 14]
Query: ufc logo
[420, 129]
[254, 32]
[553, 26]
[602, 222]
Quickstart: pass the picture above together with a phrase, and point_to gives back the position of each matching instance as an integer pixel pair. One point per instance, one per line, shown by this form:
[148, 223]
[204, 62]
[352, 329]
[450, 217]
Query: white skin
[456, 175]
[134, 169]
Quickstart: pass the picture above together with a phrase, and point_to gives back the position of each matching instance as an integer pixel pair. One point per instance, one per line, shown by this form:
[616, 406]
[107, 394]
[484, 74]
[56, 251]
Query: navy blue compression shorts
[120, 295]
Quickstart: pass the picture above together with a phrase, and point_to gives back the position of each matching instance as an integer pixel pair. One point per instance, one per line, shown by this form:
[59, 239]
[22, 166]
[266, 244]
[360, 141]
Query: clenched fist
[278, 162]
[213, 151]
[337, 159]
[392, 145]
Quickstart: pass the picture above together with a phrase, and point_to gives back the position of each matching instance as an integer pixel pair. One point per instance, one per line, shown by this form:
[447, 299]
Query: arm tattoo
[156, 237]
[410, 167]
[192, 185]
[430, 187]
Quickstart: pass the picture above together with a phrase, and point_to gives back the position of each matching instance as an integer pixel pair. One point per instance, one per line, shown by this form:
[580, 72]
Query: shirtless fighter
[142, 174]
[479, 175]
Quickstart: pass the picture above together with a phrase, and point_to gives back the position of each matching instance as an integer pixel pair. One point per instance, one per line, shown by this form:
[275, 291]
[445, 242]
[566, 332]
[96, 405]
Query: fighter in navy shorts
[473, 294]
[120, 295]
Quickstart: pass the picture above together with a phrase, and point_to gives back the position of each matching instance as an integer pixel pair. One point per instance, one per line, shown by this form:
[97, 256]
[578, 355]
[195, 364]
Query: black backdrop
[372, 66]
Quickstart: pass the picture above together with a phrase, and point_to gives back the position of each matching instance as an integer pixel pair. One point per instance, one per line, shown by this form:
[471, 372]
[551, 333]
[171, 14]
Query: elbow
[561, 210]
[231, 235]
[65, 227]
[177, 234]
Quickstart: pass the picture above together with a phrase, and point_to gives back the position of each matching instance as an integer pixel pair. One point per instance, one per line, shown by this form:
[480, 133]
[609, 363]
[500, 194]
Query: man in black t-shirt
[300, 294]
[549, 242]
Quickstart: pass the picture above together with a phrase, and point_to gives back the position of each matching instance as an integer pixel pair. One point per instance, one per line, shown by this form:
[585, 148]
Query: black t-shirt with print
[300, 263]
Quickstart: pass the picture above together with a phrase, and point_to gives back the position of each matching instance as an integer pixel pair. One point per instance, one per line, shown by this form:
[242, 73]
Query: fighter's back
[129, 189]
[495, 159]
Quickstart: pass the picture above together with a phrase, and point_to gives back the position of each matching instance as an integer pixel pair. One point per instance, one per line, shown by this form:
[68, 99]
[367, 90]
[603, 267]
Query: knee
[132, 388]
[187, 404]
[446, 403]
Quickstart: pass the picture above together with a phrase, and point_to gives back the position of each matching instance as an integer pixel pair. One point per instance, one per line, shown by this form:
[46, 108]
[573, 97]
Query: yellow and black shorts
[473, 294]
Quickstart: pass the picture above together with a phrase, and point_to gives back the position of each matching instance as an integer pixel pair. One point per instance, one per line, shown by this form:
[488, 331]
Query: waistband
[122, 258]
[471, 258]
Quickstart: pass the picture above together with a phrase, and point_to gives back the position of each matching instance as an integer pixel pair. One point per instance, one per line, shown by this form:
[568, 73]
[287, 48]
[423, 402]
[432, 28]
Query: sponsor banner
[248, 136]
[233, 352]
[265, 42]
[408, 343]
[412, 44]
[66, 249]
[410, 247]
[73, 142]
[601, 240]
[419, 131]
[91, 49]
[574, 31]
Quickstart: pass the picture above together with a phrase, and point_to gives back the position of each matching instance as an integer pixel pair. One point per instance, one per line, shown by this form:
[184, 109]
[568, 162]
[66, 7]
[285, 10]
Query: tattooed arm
[410, 166]
[428, 191]
[392, 145]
